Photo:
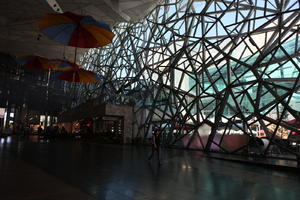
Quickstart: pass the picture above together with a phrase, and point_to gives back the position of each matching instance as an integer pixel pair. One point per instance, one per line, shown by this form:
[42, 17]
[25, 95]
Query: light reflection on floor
[122, 172]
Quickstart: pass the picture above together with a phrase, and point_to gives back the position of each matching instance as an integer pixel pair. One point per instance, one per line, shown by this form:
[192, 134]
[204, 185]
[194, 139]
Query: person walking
[155, 145]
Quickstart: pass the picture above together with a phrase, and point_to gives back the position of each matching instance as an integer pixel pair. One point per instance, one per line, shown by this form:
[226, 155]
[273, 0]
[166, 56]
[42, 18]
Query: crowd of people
[26, 130]
[59, 132]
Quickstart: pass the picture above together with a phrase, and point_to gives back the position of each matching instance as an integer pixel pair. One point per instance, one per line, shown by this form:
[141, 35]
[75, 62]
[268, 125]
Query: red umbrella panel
[75, 30]
[36, 62]
[78, 75]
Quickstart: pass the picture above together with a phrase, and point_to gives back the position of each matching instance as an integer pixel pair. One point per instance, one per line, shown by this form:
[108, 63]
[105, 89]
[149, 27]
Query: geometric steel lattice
[214, 75]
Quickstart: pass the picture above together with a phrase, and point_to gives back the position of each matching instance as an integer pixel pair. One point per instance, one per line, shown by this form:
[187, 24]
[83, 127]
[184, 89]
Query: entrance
[110, 127]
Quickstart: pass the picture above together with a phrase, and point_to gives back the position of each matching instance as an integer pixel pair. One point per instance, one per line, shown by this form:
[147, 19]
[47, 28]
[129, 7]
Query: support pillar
[94, 126]
[1, 125]
[8, 110]
[46, 121]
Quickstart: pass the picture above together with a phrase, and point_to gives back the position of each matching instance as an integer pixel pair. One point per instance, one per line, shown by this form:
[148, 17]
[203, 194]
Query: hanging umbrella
[78, 75]
[75, 30]
[64, 65]
[35, 62]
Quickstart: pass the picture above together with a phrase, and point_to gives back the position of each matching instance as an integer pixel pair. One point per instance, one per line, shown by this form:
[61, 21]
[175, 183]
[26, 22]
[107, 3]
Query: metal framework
[213, 75]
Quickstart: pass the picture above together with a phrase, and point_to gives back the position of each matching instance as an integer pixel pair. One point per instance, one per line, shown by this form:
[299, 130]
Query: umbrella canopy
[75, 30]
[78, 75]
[64, 65]
[36, 62]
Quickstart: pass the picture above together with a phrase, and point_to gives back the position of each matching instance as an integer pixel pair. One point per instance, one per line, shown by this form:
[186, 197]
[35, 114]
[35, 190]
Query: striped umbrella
[75, 30]
[36, 62]
[77, 75]
[63, 65]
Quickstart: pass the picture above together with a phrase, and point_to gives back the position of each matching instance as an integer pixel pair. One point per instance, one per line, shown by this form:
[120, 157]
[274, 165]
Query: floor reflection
[123, 172]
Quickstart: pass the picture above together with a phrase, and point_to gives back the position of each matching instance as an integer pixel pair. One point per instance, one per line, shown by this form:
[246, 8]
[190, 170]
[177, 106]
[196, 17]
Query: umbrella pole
[74, 83]
[75, 55]
[47, 99]
[74, 88]
[64, 52]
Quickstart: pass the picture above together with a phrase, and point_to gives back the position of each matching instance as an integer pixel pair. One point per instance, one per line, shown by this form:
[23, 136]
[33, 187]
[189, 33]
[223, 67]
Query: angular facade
[213, 75]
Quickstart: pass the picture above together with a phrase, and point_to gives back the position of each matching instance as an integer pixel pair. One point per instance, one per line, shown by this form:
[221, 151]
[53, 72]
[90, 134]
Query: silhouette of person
[155, 146]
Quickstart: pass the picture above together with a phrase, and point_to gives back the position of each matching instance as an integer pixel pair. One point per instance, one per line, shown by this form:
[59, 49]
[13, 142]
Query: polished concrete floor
[62, 170]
